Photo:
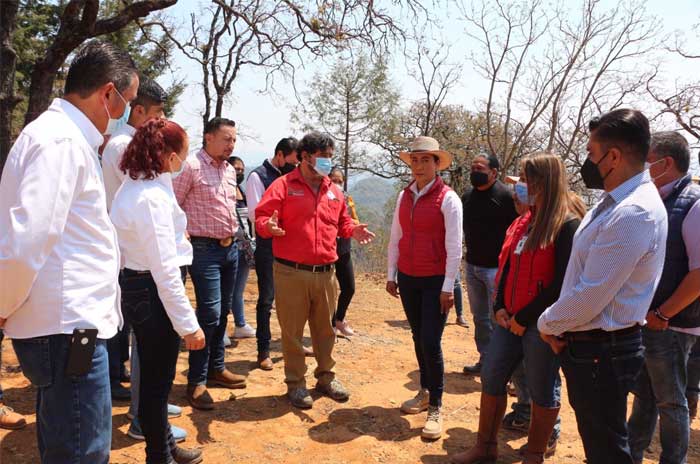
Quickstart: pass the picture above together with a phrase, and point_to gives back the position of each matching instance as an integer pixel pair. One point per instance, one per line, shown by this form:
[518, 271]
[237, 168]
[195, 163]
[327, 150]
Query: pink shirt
[206, 192]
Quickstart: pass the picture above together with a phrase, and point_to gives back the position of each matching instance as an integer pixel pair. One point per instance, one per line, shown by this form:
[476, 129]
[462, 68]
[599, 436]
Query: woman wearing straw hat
[425, 249]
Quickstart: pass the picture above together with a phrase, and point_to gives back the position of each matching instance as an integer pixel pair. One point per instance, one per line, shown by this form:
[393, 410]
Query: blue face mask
[323, 166]
[174, 174]
[522, 193]
[115, 124]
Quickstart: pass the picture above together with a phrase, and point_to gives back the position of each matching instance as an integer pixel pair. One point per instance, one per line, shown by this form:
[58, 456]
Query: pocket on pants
[136, 305]
[34, 355]
[627, 368]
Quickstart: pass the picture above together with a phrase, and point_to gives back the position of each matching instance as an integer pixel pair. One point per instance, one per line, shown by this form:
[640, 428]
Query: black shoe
[186, 456]
[120, 393]
[472, 370]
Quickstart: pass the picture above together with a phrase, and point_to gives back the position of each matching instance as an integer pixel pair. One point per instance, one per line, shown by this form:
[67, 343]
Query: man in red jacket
[304, 212]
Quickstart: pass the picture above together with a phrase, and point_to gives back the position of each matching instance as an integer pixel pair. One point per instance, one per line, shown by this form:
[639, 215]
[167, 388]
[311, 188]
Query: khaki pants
[302, 296]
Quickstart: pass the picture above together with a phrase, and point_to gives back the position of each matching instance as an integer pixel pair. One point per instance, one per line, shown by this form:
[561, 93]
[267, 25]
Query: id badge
[521, 244]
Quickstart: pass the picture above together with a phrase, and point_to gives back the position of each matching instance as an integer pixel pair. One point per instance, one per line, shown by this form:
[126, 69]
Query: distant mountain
[371, 195]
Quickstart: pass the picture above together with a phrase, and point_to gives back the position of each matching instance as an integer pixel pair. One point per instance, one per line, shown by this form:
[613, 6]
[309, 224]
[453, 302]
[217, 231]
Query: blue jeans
[238, 306]
[74, 413]
[599, 375]
[481, 284]
[693, 388]
[660, 392]
[420, 297]
[213, 273]
[266, 294]
[505, 353]
[459, 299]
[158, 346]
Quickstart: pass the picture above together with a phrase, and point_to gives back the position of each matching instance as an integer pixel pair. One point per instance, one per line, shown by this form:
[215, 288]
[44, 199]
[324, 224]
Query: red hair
[145, 155]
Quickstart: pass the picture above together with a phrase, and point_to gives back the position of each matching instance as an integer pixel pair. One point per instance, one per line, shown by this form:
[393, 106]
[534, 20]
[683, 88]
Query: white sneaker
[244, 332]
[344, 328]
[433, 424]
[417, 404]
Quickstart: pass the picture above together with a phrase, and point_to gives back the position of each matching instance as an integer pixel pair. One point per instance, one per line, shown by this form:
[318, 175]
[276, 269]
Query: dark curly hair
[145, 155]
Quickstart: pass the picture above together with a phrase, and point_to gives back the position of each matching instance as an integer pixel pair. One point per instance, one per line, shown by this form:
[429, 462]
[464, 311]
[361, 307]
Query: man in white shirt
[59, 260]
[616, 261]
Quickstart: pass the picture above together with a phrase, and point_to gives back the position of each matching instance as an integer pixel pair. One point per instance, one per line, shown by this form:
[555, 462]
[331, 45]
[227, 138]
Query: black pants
[346, 280]
[158, 346]
[118, 353]
[420, 297]
[266, 293]
[599, 376]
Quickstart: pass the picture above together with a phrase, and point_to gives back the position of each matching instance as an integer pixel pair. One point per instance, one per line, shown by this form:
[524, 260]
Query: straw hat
[423, 144]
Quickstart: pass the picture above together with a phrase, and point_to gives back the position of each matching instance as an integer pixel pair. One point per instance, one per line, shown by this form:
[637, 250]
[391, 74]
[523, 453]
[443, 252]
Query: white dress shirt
[111, 157]
[59, 260]
[254, 192]
[451, 209]
[616, 262]
[151, 229]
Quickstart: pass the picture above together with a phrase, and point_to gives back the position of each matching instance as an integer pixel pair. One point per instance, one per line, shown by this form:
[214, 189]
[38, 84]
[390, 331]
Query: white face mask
[174, 174]
[113, 125]
[648, 166]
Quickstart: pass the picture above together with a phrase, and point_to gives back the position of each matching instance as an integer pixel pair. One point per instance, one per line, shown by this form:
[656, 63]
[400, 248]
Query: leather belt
[599, 335]
[224, 242]
[130, 273]
[306, 267]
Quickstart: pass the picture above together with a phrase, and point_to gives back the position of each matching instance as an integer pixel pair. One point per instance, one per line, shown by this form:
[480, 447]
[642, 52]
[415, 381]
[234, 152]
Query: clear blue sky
[263, 117]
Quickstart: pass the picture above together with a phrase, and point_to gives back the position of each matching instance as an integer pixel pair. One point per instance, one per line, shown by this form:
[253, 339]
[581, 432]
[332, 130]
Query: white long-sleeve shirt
[111, 157]
[451, 209]
[151, 229]
[59, 260]
[254, 192]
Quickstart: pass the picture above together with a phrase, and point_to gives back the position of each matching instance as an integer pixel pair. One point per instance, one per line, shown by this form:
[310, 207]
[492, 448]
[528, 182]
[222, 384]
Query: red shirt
[206, 192]
[311, 221]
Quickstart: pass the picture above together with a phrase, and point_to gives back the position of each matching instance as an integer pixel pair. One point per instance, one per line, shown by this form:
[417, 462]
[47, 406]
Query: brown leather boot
[199, 398]
[493, 408]
[542, 423]
[226, 379]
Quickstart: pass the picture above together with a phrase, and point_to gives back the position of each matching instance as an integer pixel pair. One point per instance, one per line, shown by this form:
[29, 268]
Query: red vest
[422, 246]
[529, 271]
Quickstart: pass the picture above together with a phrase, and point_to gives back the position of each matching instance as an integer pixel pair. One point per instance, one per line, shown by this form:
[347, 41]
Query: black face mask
[478, 179]
[287, 168]
[239, 179]
[591, 174]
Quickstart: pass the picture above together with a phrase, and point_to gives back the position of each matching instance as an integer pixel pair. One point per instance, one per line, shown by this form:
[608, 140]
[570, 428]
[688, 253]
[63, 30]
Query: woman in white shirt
[151, 229]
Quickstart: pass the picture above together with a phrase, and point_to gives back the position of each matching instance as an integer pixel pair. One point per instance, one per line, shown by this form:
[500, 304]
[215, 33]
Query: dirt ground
[259, 426]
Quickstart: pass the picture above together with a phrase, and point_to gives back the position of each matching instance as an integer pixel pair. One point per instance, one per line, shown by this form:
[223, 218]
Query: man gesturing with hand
[303, 212]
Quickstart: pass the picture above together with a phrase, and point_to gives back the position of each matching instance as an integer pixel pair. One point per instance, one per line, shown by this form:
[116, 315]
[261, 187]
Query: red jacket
[422, 245]
[529, 272]
[311, 221]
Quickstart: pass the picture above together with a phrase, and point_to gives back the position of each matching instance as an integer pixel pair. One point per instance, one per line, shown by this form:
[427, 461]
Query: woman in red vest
[425, 249]
[531, 270]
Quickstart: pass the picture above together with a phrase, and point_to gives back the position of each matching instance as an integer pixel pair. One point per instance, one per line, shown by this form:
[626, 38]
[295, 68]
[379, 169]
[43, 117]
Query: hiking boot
[226, 379]
[462, 321]
[432, 430]
[10, 420]
[472, 370]
[343, 328]
[417, 404]
[486, 448]
[244, 332]
[186, 456]
[334, 390]
[300, 398]
[199, 398]
[120, 392]
[513, 421]
[265, 362]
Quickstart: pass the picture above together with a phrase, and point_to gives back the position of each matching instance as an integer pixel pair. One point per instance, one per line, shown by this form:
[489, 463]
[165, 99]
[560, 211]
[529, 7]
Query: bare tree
[554, 69]
[275, 36]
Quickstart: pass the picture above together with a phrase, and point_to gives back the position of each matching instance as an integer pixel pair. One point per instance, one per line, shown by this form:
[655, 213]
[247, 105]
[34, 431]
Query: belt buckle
[225, 242]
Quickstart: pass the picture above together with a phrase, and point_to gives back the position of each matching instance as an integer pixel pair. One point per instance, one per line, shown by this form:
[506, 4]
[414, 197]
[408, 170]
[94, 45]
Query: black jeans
[266, 293]
[158, 346]
[346, 280]
[420, 297]
[599, 376]
[118, 353]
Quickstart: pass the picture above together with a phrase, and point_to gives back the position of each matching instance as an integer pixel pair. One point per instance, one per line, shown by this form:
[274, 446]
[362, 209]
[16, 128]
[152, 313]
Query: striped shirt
[616, 262]
[206, 192]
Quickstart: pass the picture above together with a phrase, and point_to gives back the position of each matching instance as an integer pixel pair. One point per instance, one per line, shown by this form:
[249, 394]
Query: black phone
[82, 348]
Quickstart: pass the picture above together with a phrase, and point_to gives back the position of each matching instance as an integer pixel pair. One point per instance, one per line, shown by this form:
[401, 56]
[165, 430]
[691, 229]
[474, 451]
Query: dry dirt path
[259, 426]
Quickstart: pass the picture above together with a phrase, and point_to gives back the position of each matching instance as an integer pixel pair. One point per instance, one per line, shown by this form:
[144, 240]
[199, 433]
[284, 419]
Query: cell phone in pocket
[82, 347]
